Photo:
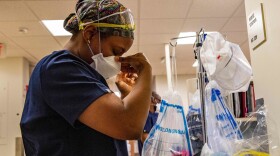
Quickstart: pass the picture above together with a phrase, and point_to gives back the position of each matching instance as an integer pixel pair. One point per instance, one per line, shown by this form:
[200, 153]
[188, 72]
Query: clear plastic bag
[225, 63]
[169, 136]
[221, 128]
[195, 124]
[257, 136]
[260, 135]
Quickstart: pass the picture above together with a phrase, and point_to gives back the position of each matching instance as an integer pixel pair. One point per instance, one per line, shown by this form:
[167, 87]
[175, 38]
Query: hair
[71, 24]
[91, 10]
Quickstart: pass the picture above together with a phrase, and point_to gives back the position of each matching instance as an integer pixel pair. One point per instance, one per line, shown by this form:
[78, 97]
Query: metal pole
[201, 84]
[201, 77]
[168, 67]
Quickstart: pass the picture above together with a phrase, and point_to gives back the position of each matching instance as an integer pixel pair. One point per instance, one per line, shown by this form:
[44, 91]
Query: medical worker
[69, 108]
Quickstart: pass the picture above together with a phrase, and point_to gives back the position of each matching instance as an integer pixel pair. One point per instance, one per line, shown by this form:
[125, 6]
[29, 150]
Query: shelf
[251, 119]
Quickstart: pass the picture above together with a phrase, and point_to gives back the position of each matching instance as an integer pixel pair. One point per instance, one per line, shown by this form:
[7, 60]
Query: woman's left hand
[125, 82]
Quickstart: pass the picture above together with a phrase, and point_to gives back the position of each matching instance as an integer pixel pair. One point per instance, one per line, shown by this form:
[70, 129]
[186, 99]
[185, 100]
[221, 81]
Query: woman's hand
[134, 64]
[125, 82]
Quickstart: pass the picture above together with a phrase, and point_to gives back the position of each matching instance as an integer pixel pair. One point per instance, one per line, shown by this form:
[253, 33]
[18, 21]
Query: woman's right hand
[136, 63]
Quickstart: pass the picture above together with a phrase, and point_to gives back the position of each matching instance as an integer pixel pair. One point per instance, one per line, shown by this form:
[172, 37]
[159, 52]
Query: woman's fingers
[128, 78]
[131, 58]
[134, 63]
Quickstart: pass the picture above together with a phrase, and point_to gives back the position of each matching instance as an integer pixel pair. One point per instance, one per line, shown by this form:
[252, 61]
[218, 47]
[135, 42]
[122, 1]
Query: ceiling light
[56, 27]
[188, 37]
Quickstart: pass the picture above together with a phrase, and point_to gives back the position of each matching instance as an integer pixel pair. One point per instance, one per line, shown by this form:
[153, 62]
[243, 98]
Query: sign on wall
[256, 27]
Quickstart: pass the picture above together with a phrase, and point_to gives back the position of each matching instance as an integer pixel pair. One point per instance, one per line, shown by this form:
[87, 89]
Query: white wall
[265, 60]
[162, 87]
[14, 72]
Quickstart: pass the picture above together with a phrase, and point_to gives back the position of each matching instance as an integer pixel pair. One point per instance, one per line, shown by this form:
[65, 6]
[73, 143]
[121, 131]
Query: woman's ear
[89, 32]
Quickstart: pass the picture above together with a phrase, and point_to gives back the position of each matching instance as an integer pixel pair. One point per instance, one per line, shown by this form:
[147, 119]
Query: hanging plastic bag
[195, 124]
[221, 128]
[225, 63]
[169, 136]
[259, 138]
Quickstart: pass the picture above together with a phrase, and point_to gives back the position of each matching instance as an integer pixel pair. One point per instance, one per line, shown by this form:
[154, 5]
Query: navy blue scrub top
[150, 122]
[61, 87]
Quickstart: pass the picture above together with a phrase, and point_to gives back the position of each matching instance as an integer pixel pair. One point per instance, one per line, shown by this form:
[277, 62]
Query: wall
[14, 73]
[265, 62]
[162, 87]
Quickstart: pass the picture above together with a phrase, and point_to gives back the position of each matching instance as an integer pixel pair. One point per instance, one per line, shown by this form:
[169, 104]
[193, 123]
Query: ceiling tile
[235, 24]
[37, 42]
[213, 8]
[164, 9]
[236, 37]
[147, 39]
[62, 39]
[153, 52]
[15, 11]
[39, 53]
[4, 39]
[15, 51]
[52, 10]
[184, 53]
[34, 28]
[240, 12]
[166, 26]
[209, 24]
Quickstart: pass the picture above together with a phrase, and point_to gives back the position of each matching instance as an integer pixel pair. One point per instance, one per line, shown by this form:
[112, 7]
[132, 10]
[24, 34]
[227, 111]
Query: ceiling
[157, 22]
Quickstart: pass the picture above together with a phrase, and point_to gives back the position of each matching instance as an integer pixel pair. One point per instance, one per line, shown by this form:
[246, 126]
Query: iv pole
[201, 81]
[201, 76]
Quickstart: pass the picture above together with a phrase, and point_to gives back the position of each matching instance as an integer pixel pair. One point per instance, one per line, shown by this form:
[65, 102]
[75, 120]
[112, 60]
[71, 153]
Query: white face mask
[106, 66]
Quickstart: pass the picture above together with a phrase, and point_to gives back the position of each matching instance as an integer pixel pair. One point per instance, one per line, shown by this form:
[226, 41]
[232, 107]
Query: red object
[243, 104]
[253, 96]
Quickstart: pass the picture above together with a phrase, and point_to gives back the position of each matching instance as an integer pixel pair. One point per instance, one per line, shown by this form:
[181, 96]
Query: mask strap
[88, 42]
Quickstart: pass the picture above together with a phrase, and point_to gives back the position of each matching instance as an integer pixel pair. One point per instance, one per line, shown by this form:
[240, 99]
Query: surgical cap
[103, 13]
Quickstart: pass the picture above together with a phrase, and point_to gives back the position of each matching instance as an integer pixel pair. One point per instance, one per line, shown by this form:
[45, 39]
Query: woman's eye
[117, 52]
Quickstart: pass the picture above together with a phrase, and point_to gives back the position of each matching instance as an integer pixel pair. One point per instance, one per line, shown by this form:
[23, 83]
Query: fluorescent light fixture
[189, 40]
[56, 27]
[190, 37]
